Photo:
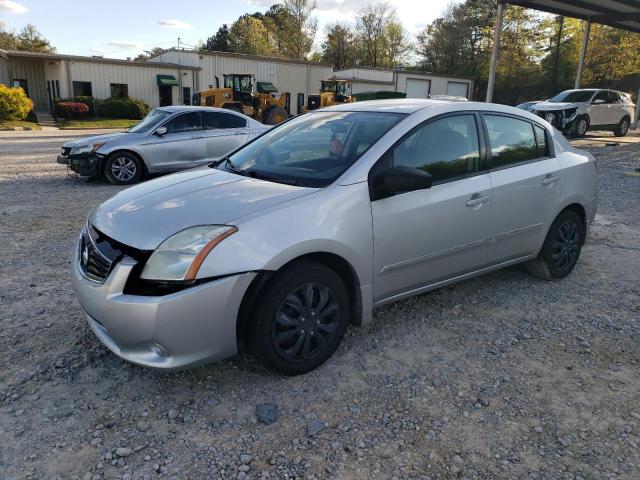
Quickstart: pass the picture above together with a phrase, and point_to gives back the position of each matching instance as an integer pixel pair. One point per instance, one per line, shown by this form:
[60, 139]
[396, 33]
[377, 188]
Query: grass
[95, 122]
[11, 124]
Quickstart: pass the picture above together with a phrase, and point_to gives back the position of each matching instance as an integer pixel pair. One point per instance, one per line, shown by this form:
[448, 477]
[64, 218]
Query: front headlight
[84, 149]
[179, 257]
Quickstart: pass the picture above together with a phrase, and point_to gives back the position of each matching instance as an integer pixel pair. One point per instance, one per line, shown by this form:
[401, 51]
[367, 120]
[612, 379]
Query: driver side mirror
[400, 180]
[598, 101]
[160, 131]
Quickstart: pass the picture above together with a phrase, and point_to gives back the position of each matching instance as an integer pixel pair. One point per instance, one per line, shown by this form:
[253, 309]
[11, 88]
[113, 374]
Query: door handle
[476, 199]
[550, 180]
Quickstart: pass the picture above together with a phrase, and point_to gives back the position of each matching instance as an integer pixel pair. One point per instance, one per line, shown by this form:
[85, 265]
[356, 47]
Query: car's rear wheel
[123, 168]
[622, 128]
[299, 319]
[561, 249]
[580, 126]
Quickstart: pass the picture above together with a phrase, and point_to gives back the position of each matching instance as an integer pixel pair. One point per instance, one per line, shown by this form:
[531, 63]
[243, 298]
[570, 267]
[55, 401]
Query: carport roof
[623, 14]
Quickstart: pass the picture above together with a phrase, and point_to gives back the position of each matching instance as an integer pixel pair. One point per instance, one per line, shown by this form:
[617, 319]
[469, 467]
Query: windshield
[312, 150]
[152, 118]
[572, 96]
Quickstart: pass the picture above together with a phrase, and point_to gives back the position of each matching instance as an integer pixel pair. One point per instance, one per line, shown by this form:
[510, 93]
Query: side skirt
[449, 281]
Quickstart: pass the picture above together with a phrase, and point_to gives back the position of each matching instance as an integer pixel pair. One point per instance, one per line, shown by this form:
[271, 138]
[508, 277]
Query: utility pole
[179, 75]
[554, 80]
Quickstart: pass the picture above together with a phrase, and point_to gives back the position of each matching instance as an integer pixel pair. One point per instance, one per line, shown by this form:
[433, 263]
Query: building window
[300, 103]
[82, 89]
[186, 96]
[119, 90]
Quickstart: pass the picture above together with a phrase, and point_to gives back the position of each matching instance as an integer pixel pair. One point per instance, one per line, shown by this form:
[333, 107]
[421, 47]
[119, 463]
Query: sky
[125, 28]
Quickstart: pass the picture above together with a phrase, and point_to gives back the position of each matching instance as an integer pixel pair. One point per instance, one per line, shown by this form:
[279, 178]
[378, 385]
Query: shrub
[70, 109]
[14, 103]
[88, 101]
[122, 108]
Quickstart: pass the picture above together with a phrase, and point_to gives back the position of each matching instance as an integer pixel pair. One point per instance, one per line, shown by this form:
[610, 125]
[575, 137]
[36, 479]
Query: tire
[123, 168]
[290, 332]
[622, 128]
[561, 249]
[275, 115]
[580, 126]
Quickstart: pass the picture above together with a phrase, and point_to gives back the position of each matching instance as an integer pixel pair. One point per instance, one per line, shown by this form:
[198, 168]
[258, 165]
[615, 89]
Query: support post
[636, 113]
[583, 52]
[494, 54]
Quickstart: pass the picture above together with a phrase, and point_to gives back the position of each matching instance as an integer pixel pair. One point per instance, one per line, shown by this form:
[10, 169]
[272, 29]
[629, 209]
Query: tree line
[28, 39]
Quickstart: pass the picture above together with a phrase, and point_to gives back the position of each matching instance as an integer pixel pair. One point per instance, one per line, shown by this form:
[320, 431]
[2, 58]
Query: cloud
[13, 7]
[173, 23]
[124, 45]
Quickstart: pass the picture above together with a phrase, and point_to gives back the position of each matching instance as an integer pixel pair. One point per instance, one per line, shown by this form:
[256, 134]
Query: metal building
[415, 84]
[299, 78]
[169, 79]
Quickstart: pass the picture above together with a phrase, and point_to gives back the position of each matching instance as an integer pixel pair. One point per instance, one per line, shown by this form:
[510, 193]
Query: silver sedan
[166, 140]
[310, 227]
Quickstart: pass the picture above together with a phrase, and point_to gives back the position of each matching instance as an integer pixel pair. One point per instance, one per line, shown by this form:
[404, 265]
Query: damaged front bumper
[561, 119]
[83, 165]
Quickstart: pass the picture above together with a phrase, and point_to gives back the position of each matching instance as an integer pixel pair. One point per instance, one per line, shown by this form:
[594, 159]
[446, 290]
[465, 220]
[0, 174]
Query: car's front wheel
[622, 128]
[580, 126]
[123, 168]
[561, 249]
[299, 319]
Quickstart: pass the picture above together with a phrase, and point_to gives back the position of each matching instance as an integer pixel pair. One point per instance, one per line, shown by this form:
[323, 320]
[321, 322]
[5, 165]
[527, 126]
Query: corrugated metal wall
[4, 70]
[141, 80]
[33, 72]
[289, 77]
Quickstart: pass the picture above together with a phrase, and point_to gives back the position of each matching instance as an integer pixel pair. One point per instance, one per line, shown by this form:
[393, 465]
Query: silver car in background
[166, 140]
[329, 215]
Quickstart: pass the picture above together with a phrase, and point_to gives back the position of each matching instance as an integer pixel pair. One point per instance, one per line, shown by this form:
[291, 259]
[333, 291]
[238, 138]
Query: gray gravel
[500, 377]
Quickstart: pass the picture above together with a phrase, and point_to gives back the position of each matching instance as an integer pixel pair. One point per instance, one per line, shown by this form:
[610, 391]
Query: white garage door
[417, 88]
[458, 89]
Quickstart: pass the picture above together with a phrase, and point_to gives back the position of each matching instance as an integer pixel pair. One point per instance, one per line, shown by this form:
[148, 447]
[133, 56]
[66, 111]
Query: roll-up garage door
[458, 89]
[417, 88]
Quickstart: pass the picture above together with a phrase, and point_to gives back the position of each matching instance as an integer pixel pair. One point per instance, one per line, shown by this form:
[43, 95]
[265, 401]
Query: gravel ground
[500, 377]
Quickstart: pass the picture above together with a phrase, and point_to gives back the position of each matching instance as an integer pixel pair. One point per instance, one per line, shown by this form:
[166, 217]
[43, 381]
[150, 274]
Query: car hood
[94, 139]
[553, 106]
[145, 215]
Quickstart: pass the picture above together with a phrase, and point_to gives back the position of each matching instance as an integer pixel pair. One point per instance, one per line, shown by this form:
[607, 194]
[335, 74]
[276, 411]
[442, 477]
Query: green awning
[167, 81]
[266, 87]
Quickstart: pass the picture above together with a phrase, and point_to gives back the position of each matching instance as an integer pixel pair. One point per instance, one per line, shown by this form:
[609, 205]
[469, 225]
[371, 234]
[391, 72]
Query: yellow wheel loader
[331, 92]
[238, 94]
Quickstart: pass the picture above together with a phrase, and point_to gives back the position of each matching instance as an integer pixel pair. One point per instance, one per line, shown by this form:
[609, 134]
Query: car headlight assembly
[85, 149]
[179, 257]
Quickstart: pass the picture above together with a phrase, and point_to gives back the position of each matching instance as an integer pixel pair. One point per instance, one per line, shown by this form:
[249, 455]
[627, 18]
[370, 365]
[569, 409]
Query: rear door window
[512, 141]
[221, 120]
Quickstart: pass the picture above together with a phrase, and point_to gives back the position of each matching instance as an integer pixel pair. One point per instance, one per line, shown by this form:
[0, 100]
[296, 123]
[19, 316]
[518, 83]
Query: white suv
[576, 111]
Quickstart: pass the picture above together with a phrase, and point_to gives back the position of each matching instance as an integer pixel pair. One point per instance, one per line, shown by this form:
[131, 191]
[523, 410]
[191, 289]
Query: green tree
[371, 26]
[339, 47]
[220, 41]
[30, 39]
[249, 35]
[7, 39]
[300, 28]
[154, 52]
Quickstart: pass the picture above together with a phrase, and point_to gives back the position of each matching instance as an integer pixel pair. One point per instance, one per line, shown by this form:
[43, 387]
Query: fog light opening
[159, 350]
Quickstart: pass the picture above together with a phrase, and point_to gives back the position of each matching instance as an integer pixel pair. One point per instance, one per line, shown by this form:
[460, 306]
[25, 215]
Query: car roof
[187, 108]
[395, 105]
[410, 106]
